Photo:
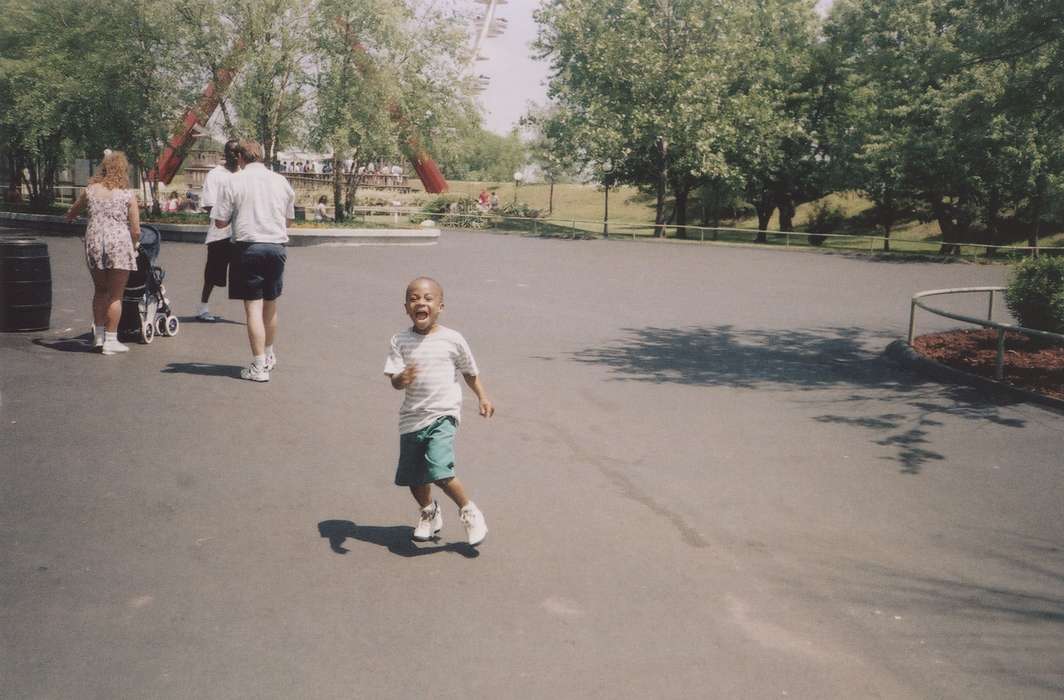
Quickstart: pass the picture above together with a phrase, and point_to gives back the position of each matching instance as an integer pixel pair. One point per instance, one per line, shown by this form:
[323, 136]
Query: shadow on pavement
[208, 369]
[396, 538]
[79, 343]
[218, 320]
[821, 359]
[1003, 617]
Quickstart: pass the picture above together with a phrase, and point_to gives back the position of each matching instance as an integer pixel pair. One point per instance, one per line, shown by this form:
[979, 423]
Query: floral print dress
[108, 244]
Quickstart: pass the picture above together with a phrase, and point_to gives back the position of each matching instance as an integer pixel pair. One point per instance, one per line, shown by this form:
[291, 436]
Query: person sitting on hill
[321, 213]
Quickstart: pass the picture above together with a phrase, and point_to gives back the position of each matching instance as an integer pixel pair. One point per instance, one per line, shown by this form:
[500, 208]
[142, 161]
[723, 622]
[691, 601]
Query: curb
[51, 225]
[903, 354]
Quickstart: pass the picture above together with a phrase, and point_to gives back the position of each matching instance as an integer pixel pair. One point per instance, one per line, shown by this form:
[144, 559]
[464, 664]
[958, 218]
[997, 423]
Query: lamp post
[517, 183]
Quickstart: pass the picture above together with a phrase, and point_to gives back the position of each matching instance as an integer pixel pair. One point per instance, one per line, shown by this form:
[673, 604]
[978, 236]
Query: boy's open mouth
[421, 315]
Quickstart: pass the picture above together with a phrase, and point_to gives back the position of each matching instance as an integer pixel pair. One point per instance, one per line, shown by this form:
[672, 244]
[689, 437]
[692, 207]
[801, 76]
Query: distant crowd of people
[381, 172]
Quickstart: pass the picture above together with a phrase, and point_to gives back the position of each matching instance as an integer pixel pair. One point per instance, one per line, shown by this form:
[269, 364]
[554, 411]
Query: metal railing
[574, 227]
[999, 366]
[623, 229]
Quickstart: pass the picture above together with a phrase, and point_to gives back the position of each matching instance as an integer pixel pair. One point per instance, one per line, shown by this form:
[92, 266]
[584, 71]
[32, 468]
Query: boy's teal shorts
[427, 455]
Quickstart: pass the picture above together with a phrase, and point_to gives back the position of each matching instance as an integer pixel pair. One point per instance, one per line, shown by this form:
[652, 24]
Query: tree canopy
[943, 109]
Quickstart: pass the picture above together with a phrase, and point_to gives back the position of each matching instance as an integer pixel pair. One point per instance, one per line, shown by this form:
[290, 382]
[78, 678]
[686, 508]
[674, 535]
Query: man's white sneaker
[429, 522]
[271, 362]
[255, 374]
[473, 519]
[97, 338]
[113, 347]
[206, 316]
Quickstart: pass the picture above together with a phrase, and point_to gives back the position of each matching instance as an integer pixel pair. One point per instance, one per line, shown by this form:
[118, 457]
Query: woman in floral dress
[110, 245]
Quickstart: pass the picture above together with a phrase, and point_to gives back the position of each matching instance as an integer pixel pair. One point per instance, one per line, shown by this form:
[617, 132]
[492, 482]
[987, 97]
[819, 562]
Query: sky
[515, 78]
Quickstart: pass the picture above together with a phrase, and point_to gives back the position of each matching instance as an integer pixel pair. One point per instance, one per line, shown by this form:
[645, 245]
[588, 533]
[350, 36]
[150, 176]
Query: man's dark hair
[230, 150]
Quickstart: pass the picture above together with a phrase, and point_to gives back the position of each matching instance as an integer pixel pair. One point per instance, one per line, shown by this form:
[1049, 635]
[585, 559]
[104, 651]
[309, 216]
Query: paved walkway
[703, 480]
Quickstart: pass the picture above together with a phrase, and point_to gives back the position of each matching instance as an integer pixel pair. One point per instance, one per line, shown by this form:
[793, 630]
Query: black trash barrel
[25, 284]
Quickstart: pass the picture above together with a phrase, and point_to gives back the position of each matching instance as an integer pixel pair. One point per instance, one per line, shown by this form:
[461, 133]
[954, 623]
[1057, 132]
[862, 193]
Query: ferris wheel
[488, 26]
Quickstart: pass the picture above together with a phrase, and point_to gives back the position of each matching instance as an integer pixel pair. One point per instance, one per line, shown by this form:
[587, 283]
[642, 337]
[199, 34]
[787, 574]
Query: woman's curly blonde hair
[114, 171]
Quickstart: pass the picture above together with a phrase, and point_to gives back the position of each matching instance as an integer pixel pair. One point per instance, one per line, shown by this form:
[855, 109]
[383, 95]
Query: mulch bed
[1029, 363]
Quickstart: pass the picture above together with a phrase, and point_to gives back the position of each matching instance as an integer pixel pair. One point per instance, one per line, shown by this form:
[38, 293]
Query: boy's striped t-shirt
[442, 357]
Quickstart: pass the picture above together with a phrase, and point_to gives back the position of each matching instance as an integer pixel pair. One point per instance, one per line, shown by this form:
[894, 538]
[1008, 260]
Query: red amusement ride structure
[196, 118]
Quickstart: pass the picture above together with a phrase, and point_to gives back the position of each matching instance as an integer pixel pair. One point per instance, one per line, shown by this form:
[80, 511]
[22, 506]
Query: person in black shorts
[259, 204]
[218, 249]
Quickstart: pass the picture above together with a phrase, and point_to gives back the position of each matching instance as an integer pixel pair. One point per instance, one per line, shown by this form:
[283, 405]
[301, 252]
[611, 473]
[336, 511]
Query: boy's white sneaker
[255, 373]
[473, 519]
[429, 522]
[113, 347]
[97, 337]
[271, 362]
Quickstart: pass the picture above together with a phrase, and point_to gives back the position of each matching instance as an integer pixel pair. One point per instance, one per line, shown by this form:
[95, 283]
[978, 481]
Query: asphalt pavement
[703, 480]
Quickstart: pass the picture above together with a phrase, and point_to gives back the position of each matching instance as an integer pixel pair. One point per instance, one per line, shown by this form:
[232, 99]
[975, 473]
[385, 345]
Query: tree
[958, 105]
[640, 85]
[76, 82]
[272, 86]
[781, 93]
[546, 150]
[387, 77]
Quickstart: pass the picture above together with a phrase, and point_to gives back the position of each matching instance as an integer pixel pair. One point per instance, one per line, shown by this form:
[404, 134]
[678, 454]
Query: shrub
[1035, 294]
[519, 210]
[454, 211]
[824, 219]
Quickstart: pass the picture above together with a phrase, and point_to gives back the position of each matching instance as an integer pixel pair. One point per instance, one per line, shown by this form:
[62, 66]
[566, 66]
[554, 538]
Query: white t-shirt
[213, 184]
[442, 357]
[258, 202]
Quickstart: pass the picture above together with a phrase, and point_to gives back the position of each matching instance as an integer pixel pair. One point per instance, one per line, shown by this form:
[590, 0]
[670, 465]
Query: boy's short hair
[423, 279]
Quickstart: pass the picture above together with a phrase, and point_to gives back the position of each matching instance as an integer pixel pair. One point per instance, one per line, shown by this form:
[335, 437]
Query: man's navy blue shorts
[256, 271]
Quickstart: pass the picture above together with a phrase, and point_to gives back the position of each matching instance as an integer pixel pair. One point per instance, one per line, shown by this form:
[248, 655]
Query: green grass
[580, 207]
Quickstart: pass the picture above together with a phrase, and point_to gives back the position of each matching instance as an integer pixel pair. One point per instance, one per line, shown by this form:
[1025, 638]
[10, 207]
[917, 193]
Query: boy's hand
[487, 408]
[406, 377]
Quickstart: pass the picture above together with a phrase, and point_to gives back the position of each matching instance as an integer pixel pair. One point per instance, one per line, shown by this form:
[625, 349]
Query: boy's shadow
[395, 537]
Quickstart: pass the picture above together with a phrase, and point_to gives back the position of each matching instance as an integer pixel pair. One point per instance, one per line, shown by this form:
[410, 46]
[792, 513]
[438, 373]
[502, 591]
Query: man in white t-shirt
[259, 204]
[218, 248]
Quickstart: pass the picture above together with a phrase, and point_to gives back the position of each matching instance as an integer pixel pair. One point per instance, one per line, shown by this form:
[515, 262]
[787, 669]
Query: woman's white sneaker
[113, 347]
[429, 522]
[473, 519]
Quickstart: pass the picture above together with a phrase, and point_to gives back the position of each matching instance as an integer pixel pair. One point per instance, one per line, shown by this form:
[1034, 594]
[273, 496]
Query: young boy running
[425, 361]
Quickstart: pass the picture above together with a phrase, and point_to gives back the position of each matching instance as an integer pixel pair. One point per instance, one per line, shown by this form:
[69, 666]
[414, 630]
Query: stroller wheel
[147, 332]
[160, 325]
[173, 325]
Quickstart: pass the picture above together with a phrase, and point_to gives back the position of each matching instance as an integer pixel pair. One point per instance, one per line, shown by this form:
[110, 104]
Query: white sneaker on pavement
[473, 519]
[113, 347]
[271, 362]
[429, 522]
[97, 337]
[255, 373]
[206, 317]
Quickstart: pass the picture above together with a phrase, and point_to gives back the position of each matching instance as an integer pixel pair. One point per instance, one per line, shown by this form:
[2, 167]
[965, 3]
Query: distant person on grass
[321, 212]
[218, 245]
[260, 204]
[425, 360]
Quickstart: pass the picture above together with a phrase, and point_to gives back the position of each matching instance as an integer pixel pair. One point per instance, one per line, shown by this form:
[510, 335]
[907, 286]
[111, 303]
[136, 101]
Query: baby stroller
[146, 311]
